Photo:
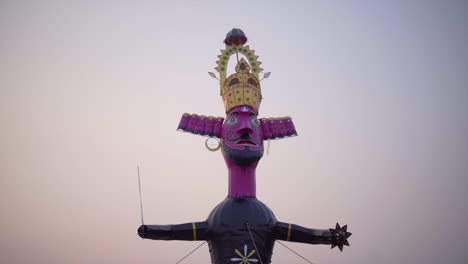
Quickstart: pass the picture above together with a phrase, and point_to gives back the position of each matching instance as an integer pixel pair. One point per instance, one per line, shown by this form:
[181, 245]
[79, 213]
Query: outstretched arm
[189, 231]
[295, 233]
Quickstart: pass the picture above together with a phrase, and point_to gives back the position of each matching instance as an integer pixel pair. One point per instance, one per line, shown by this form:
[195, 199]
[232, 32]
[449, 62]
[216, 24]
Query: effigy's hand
[143, 231]
[339, 236]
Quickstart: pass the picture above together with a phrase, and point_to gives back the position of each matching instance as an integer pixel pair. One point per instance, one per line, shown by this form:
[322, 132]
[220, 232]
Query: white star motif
[245, 259]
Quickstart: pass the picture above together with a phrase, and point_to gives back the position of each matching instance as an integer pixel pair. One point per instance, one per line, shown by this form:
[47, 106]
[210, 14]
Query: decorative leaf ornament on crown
[242, 87]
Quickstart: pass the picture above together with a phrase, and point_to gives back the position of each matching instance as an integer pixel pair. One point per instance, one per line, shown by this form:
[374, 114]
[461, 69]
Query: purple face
[241, 135]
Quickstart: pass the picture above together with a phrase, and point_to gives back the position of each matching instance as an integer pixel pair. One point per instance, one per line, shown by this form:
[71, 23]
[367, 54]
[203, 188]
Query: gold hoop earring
[212, 149]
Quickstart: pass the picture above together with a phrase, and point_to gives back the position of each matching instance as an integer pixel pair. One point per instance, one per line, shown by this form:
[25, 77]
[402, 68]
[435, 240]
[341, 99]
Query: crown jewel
[242, 87]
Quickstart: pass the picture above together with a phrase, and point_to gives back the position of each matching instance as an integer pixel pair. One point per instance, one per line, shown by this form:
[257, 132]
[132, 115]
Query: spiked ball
[339, 236]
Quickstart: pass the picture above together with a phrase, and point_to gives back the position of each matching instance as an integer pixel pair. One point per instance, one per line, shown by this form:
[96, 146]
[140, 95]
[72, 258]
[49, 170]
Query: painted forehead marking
[246, 109]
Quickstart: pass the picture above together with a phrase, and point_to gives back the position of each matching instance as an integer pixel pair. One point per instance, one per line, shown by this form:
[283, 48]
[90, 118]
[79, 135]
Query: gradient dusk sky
[90, 89]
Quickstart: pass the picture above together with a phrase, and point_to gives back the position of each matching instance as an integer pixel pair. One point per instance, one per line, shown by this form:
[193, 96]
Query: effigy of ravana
[242, 229]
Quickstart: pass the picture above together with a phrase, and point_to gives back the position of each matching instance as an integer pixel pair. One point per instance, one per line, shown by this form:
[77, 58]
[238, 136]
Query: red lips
[246, 142]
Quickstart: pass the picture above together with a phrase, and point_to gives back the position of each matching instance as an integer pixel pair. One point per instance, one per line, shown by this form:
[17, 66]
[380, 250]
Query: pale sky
[88, 91]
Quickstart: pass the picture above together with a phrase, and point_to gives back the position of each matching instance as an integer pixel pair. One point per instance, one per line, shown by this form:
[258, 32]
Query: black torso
[228, 230]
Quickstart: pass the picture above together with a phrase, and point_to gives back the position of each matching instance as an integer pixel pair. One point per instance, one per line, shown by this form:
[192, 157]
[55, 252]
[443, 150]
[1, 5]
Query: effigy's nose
[245, 127]
[245, 131]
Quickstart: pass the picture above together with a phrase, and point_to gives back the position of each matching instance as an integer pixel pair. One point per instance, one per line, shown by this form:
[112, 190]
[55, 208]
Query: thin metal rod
[253, 241]
[294, 252]
[139, 188]
[191, 252]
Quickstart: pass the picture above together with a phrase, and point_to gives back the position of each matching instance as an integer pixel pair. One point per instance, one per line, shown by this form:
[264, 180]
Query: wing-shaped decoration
[277, 128]
[201, 125]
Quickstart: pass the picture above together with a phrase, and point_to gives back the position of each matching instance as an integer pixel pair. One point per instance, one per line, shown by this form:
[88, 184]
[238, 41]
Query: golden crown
[242, 87]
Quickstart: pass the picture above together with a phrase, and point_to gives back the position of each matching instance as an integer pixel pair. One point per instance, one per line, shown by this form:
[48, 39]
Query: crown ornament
[242, 87]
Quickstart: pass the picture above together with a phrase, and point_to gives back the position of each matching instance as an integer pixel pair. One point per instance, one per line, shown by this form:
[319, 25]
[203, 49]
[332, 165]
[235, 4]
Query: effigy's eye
[232, 121]
[255, 122]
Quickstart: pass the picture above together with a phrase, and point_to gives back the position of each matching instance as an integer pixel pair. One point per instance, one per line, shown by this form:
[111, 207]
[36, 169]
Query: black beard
[244, 157]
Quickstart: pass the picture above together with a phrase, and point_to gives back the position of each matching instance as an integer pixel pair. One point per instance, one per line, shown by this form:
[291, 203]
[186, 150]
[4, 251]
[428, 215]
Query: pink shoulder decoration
[201, 125]
[277, 128]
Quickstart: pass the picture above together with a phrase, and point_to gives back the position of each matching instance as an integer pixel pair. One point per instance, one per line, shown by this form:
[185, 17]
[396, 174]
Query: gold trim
[194, 232]
[226, 55]
[275, 118]
[289, 233]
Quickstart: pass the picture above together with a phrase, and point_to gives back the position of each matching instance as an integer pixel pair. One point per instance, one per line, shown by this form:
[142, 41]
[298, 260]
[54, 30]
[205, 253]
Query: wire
[294, 252]
[191, 252]
[251, 237]
[139, 188]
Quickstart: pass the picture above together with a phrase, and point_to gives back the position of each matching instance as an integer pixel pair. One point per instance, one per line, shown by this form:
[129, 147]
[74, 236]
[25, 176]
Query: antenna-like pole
[139, 188]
